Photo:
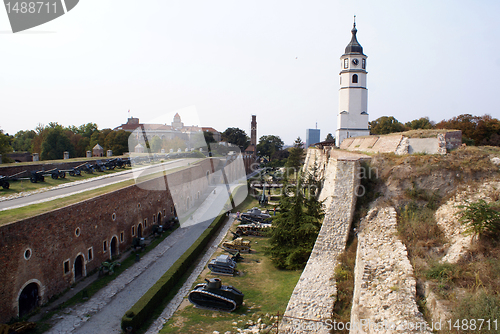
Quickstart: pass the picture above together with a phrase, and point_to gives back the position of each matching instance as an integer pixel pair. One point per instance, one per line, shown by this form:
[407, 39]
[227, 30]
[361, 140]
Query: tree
[23, 140]
[209, 137]
[484, 130]
[155, 144]
[5, 148]
[384, 125]
[268, 145]
[55, 144]
[294, 229]
[421, 123]
[329, 138]
[296, 155]
[237, 137]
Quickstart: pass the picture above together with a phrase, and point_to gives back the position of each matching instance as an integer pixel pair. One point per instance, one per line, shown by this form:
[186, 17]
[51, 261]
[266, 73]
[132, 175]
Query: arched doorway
[113, 246]
[158, 220]
[79, 267]
[139, 231]
[28, 299]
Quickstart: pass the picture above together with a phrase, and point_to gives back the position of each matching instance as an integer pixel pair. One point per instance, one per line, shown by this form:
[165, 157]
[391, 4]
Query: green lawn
[267, 291]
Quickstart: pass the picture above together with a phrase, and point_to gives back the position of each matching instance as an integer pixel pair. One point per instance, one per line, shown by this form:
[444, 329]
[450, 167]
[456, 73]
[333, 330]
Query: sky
[224, 61]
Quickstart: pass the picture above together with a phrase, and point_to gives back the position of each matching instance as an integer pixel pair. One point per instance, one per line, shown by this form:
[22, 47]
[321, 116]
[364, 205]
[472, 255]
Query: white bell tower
[352, 119]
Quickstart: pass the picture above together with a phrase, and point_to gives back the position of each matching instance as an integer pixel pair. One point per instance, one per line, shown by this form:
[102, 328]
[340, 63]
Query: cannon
[4, 180]
[255, 215]
[39, 176]
[99, 166]
[222, 264]
[213, 295]
[86, 167]
[72, 171]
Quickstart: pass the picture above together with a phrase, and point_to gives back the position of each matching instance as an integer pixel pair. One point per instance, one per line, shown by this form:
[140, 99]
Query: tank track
[215, 296]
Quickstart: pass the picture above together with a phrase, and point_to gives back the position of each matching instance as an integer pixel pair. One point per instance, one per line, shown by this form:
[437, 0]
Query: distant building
[217, 134]
[164, 131]
[97, 151]
[352, 119]
[312, 137]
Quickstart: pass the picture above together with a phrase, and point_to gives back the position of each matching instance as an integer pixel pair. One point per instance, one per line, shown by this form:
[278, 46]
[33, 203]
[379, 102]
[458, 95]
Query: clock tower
[352, 119]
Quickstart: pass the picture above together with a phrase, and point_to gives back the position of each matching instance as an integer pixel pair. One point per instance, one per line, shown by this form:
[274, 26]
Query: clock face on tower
[355, 61]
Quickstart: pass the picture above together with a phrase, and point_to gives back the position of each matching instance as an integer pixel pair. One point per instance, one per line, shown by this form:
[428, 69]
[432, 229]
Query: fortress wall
[312, 301]
[384, 286]
[51, 237]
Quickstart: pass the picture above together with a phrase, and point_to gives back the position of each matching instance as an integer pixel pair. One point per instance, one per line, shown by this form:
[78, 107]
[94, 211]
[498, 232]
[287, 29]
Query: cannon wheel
[33, 179]
[54, 176]
[5, 185]
[71, 173]
[62, 175]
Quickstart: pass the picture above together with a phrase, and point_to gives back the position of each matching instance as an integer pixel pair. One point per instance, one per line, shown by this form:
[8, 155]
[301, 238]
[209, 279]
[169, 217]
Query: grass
[344, 276]
[267, 291]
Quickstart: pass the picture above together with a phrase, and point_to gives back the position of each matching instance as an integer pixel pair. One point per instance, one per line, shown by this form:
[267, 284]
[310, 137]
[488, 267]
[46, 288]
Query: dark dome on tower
[354, 46]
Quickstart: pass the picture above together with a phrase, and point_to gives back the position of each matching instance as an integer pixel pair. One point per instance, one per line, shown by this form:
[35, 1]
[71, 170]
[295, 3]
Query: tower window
[346, 62]
[363, 63]
[355, 78]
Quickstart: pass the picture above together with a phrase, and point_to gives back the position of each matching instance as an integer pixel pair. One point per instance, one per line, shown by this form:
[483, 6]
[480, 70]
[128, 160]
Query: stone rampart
[384, 298]
[311, 304]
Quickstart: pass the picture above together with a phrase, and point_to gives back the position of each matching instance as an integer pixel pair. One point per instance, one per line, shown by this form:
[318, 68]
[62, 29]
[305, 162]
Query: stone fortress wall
[384, 298]
[54, 249]
[313, 298]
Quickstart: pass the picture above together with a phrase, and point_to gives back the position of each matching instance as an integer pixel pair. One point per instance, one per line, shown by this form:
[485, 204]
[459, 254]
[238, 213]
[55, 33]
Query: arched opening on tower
[354, 78]
[28, 299]
[113, 246]
[158, 220]
[78, 267]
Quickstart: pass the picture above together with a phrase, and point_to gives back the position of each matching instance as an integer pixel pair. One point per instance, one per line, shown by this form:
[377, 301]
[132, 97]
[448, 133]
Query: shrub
[479, 218]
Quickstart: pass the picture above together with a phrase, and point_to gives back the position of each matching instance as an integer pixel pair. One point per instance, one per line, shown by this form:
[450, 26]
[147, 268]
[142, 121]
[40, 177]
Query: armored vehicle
[257, 229]
[215, 296]
[255, 215]
[222, 264]
[238, 244]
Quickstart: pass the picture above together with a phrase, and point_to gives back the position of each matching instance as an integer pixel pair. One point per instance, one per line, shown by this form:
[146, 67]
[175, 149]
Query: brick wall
[52, 239]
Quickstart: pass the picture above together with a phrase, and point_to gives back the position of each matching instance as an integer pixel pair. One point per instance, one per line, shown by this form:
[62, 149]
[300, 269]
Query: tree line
[476, 130]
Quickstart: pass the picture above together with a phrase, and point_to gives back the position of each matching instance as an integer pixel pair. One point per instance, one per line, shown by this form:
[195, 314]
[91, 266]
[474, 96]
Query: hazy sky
[228, 60]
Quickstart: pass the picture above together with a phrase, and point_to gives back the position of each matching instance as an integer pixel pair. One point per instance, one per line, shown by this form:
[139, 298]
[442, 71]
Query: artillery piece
[4, 180]
[39, 176]
[238, 244]
[256, 229]
[86, 167]
[215, 296]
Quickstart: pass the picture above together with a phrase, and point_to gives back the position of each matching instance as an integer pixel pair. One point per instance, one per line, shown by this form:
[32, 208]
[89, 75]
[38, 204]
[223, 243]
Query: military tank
[256, 229]
[255, 215]
[237, 244]
[215, 296]
[222, 264]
